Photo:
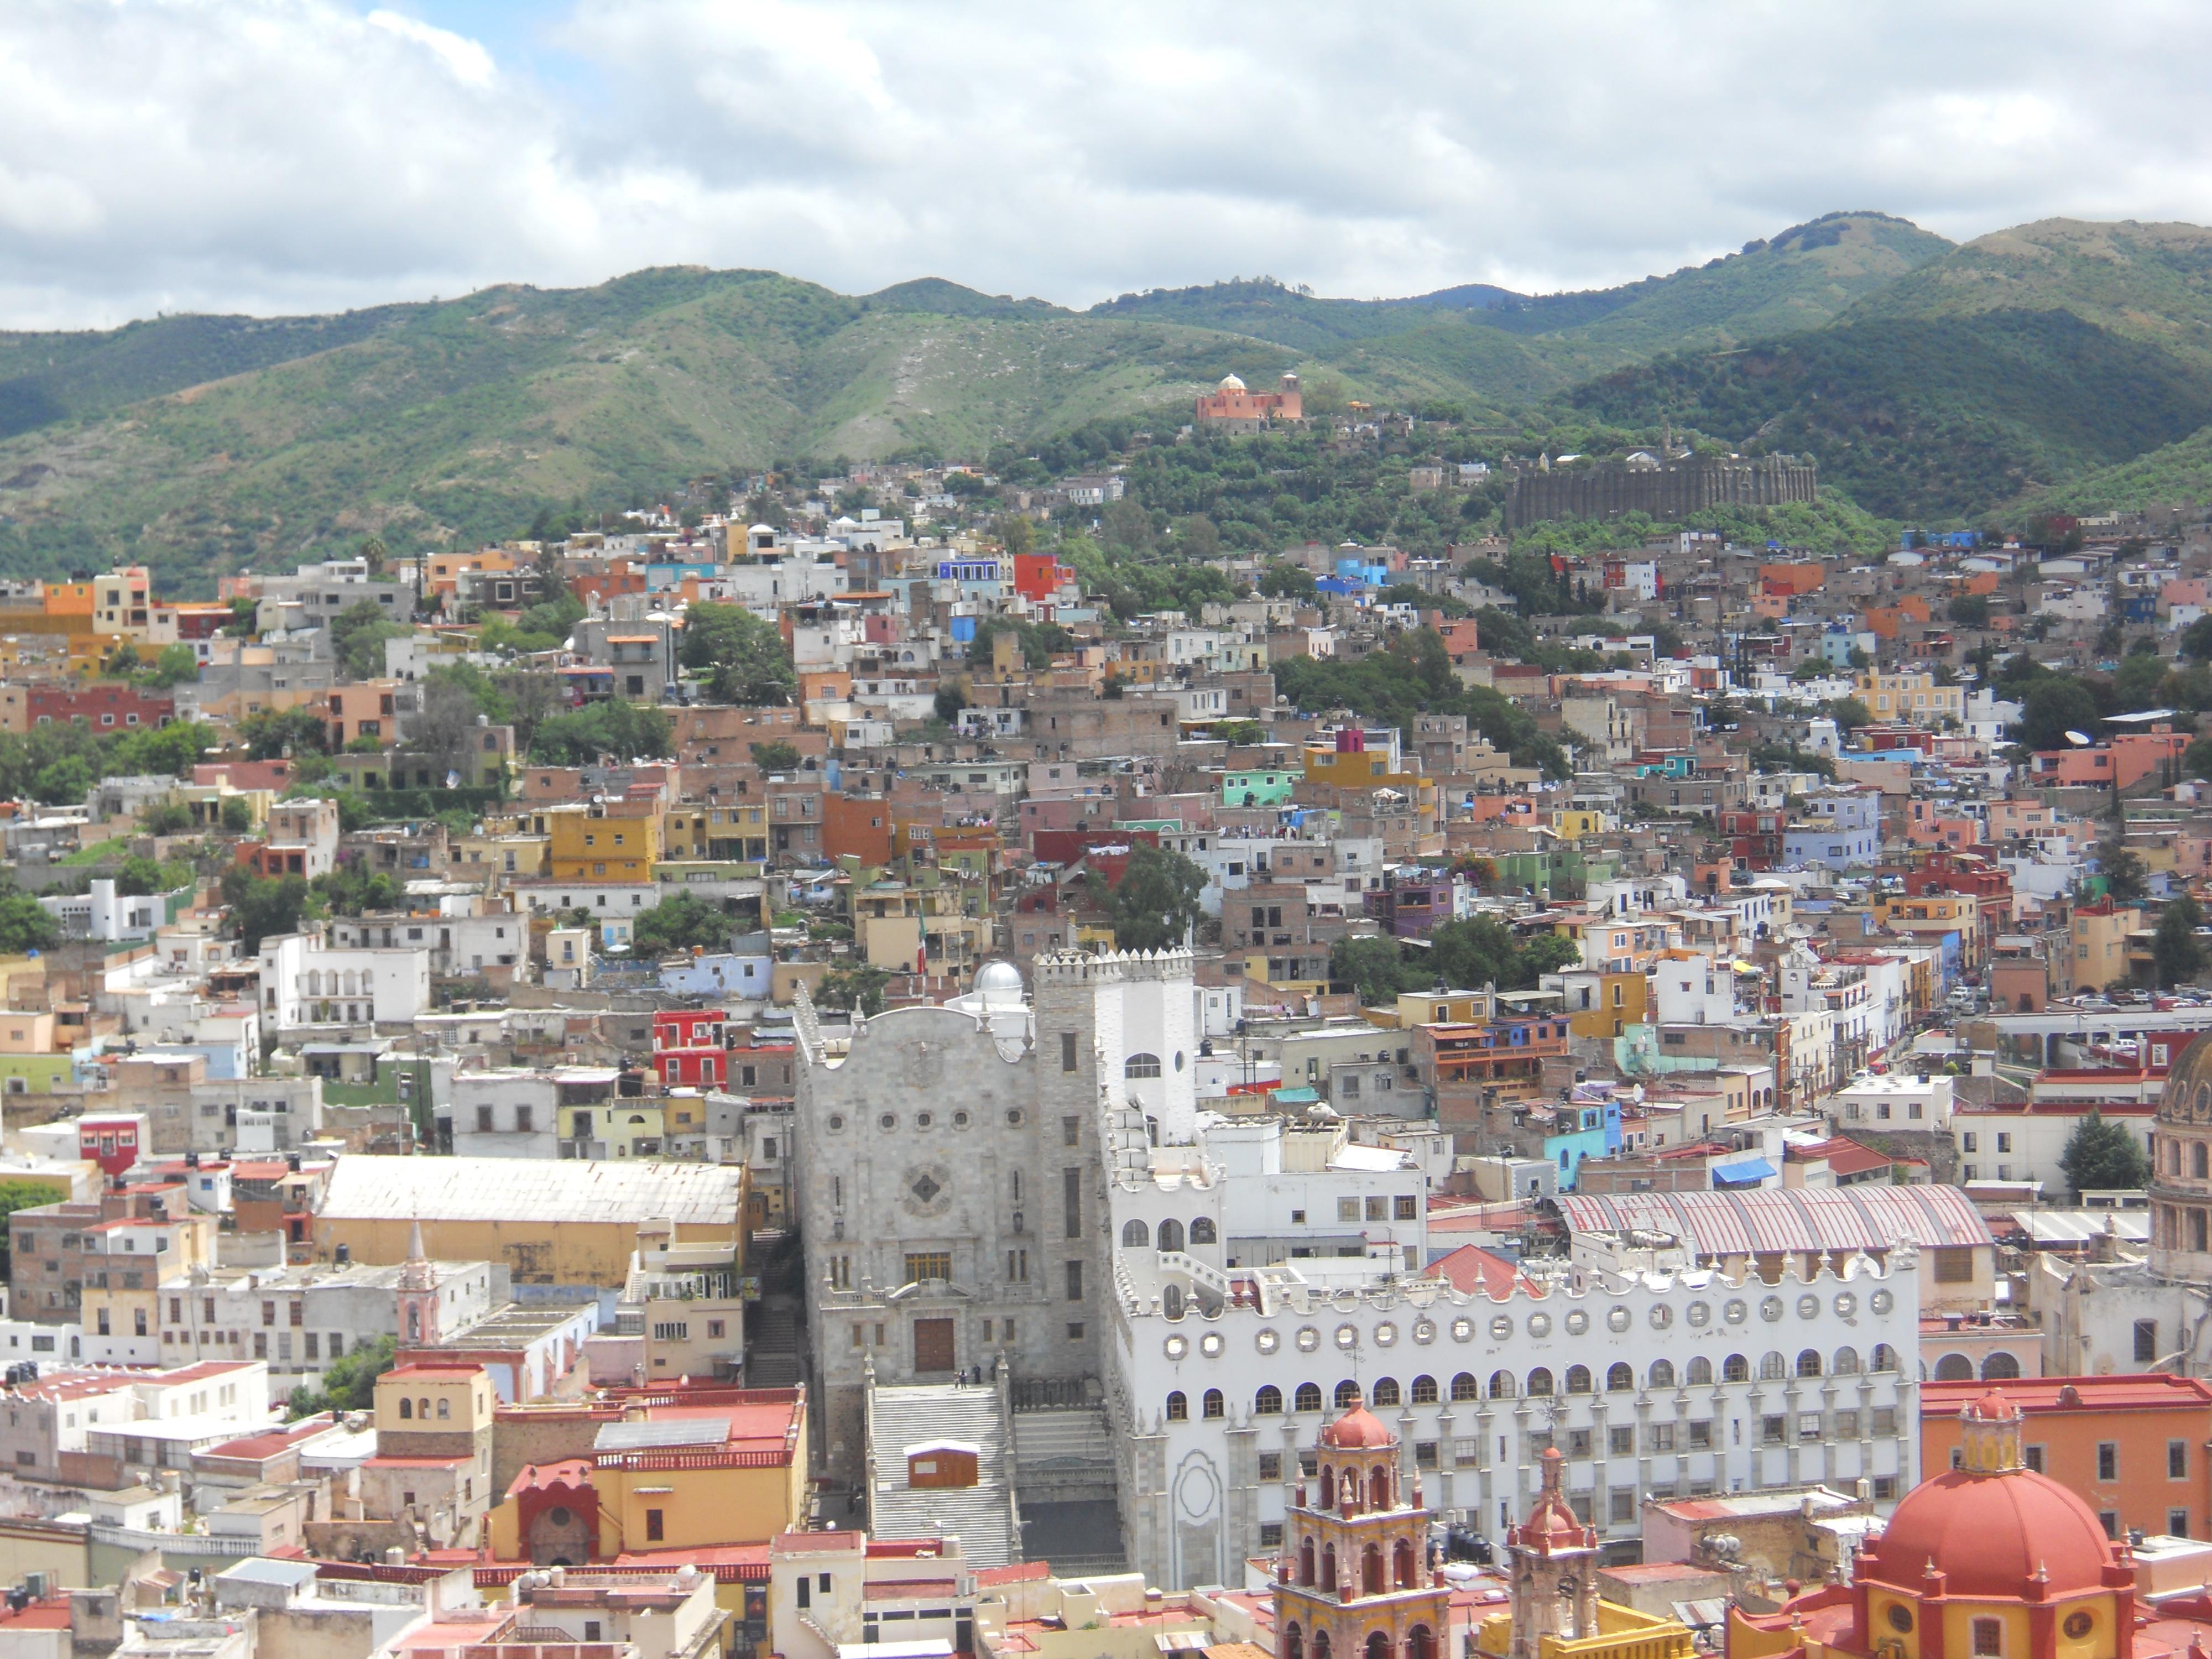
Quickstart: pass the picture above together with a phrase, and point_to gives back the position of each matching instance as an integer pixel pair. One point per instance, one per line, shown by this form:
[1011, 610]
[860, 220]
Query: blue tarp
[1756, 1169]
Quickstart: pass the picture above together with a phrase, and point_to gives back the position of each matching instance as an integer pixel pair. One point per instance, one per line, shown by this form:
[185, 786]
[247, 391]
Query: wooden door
[932, 1345]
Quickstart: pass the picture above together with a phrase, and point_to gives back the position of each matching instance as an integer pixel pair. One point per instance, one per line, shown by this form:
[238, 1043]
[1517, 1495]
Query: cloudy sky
[275, 156]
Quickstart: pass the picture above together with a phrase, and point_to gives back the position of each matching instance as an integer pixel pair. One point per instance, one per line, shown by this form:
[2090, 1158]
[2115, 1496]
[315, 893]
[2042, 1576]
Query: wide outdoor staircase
[1065, 1479]
[772, 1354]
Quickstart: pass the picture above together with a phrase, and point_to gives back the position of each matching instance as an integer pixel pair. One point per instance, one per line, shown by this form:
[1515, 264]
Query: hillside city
[737, 1078]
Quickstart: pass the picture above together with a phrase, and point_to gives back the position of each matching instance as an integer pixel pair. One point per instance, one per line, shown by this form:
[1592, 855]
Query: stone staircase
[772, 1352]
[1065, 1481]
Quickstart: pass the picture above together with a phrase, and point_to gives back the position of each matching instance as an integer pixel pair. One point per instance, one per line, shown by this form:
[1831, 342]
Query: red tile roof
[1471, 1268]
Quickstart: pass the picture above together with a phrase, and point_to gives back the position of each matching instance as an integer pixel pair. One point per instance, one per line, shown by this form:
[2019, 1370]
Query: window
[1347, 1209]
[2146, 1341]
[654, 1530]
[1178, 1407]
[1885, 1420]
[1772, 1429]
[1988, 1638]
[1623, 1505]
[1268, 1402]
[1070, 1130]
[1578, 1443]
[1271, 1466]
[1141, 1066]
[2177, 1460]
[1075, 1281]
[2108, 1461]
[929, 1264]
[1405, 1207]
[1662, 1436]
[1071, 1197]
[2177, 1523]
[1847, 1424]
[1620, 1440]
[1067, 1051]
[2033, 1456]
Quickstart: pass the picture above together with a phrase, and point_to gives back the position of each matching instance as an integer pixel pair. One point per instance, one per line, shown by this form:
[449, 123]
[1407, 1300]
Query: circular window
[1178, 1063]
[1424, 1331]
[1616, 1319]
[888, 1121]
[1014, 1114]
[559, 1515]
[1899, 1616]
[1309, 1339]
[1175, 1347]
[1578, 1323]
[1347, 1336]
[836, 1122]
[1662, 1315]
[923, 1120]
[960, 1120]
[1386, 1334]
[1500, 1329]
[1700, 1314]
[2078, 1624]
[1846, 1306]
[1736, 1311]
[1267, 1341]
[1540, 1324]
[1210, 1344]
[1808, 1306]
[1770, 1307]
[1881, 1302]
[1462, 1330]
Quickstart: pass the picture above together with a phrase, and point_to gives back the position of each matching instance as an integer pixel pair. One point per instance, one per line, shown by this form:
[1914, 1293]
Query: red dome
[1990, 1533]
[1358, 1430]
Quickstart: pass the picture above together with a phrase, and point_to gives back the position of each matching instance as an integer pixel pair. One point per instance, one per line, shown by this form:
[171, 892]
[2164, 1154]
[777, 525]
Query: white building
[1903, 1102]
[306, 982]
[102, 914]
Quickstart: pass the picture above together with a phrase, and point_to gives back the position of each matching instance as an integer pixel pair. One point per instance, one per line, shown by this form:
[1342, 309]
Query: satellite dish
[2077, 739]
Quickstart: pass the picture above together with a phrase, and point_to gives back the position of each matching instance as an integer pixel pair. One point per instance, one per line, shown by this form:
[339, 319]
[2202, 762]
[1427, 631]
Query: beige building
[2095, 954]
[1910, 699]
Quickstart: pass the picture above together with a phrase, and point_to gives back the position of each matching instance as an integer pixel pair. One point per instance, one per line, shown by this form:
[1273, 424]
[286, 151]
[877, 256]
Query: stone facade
[1610, 489]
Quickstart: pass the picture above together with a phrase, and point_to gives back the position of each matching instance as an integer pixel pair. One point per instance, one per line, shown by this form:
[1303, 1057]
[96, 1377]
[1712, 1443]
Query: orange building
[1230, 405]
[858, 825]
[366, 710]
[2134, 1449]
[1787, 580]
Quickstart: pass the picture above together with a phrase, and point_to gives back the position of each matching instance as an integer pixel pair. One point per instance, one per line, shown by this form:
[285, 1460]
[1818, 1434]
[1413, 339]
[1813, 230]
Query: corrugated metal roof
[1779, 1218]
[367, 1187]
[651, 1436]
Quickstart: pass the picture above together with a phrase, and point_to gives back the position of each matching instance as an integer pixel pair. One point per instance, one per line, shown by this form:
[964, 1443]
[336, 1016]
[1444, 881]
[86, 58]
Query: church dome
[2187, 1096]
[999, 982]
[1230, 383]
[1358, 1430]
[1993, 1526]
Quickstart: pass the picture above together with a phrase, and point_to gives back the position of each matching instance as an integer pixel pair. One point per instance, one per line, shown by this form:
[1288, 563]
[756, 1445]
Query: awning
[1751, 1169]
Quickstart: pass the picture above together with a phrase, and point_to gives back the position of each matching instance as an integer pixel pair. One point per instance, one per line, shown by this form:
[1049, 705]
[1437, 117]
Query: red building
[1755, 835]
[1232, 405]
[108, 705]
[1039, 576]
[690, 1046]
[111, 1141]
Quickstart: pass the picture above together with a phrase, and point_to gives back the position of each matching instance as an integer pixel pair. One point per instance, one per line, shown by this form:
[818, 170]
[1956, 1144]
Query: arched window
[1308, 1399]
[2197, 1231]
[1171, 1234]
[1306, 1562]
[1772, 1365]
[1178, 1407]
[1700, 1371]
[2197, 1154]
[1141, 1066]
[1735, 1369]
[1620, 1378]
[1371, 1583]
[1501, 1385]
[1884, 1359]
[1202, 1232]
[1378, 1644]
[1294, 1641]
[1424, 1391]
[446, 1410]
[1578, 1379]
[1808, 1362]
[423, 1410]
[1954, 1368]
[1402, 1565]
[1212, 1405]
[1171, 1301]
[1464, 1387]
[1419, 1643]
[1328, 1502]
[1846, 1364]
[1320, 1636]
[1328, 1578]
[2000, 1367]
[406, 1407]
[1347, 1394]
[1662, 1373]
[1385, 1391]
[1268, 1402]
[1136, 1235]
[1539, 1381]
[1378, 1487]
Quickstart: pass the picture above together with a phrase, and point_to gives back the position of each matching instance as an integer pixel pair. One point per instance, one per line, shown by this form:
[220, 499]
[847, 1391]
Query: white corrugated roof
[367, 1187]
[1859, 1217]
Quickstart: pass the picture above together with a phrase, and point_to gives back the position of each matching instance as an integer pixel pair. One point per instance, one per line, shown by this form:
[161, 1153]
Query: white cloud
[288, 154]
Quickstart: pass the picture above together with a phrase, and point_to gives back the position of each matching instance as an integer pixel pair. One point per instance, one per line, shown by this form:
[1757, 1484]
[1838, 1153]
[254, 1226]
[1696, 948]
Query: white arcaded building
[1656, 1378]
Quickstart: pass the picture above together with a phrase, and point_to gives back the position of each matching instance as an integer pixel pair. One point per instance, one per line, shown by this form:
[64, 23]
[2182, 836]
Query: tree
[861, 986]
[1155, 903]
[776, 755]
[137, 877]
[276, 732]
[2050, 710]
[2103, 1156]
[352, 888]
[623, 730]
[264, 907]
[1850, 713]
[680, 923]
[2177, 954]
[237, 815]
[357, 637]
[1374, 967]
[1015, 534]
[350, 1385]
[445, 731]
[1969, 610]
[2126, 881]
[169, 751]
[175, 665]
[21, 1195]
[2140, 675]
[64, 782]
[166, 817]
[25, 926]
[1482, 951]
[1290, 581]
[744, 655]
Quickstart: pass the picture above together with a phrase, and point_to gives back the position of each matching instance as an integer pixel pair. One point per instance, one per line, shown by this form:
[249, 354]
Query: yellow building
[1910, 699]
[485, 854]
[2095, 953]
[1362, 769]
[1926, 918]
[715, 834]
[126, 1262]
[590, 843]
[1604, 1004]
[1573, 823]
[731, 1470]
